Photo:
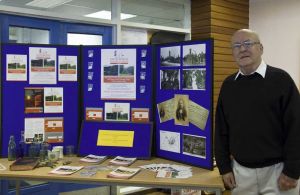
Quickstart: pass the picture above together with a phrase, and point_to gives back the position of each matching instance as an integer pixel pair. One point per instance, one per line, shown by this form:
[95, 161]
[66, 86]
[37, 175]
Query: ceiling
[158, 12]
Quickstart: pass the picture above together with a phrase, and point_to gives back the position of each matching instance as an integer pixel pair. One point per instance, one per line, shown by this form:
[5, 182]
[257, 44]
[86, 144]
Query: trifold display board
[40, 94]
[117, 101]
[184, 102]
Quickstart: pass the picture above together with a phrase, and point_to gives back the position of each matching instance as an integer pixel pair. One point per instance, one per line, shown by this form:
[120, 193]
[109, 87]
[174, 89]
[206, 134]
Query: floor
[105, 191]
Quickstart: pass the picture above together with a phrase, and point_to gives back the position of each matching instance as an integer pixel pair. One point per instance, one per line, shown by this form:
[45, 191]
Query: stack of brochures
[66, 170]
[122, 161]
[169, 171]
[123, 172]
[93, 158]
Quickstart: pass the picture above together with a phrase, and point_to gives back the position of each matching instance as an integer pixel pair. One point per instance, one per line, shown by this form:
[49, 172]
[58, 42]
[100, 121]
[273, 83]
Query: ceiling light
[47, 3]
[127, 16]
[104, 14]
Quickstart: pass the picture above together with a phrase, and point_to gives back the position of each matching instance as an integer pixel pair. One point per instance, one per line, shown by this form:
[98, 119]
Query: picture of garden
[194, 79]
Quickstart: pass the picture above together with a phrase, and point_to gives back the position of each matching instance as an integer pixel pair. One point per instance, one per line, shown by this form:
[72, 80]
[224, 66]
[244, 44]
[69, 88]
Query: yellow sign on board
[115, 138]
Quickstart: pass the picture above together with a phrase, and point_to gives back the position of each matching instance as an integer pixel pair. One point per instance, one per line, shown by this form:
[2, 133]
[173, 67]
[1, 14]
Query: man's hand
[229, 180]
[286, 183]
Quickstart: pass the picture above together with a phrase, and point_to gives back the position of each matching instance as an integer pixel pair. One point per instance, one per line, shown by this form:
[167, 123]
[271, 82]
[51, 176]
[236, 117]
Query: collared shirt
[262, 68]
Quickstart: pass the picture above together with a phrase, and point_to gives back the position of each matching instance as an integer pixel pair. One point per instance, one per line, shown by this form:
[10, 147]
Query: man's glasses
[245, 44]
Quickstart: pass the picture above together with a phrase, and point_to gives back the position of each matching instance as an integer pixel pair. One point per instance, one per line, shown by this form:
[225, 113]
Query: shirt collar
[262, 68]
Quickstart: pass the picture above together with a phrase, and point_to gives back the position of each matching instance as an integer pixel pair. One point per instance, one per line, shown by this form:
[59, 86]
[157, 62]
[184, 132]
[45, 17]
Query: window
[28, 35]
[84, 39]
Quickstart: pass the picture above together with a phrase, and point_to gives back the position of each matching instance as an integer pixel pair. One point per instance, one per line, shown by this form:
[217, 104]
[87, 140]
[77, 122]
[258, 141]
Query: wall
[277, 23]
[219, 19]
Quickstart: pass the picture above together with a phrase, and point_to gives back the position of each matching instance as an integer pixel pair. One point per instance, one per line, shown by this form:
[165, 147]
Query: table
[202, 179]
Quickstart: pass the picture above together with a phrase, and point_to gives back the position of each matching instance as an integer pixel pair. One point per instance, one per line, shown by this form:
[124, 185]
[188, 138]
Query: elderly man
[257, 137]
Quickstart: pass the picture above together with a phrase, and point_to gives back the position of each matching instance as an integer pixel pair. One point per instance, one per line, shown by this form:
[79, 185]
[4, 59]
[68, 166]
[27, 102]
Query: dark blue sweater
[258, 122]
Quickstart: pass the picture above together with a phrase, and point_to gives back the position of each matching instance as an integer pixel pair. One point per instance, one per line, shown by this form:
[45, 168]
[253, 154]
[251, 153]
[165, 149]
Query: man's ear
[261, 47]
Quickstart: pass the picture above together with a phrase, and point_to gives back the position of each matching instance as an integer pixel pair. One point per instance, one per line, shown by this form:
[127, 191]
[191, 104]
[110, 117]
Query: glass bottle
[22, 146]
[11, 148]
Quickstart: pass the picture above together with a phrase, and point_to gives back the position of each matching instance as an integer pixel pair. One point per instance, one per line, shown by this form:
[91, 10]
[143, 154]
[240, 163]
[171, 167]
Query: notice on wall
[67, 66]
[16, 67]
[34, 130]
[118, 74]
[42, 65]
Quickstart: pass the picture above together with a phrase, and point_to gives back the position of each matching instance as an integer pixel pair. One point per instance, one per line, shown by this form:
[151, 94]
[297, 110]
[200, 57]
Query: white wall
[278, 24]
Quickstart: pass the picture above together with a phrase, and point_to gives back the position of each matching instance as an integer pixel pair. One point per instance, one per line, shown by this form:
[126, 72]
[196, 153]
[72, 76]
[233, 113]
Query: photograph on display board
[94, 114]
[53, 100]
[16, 67]
[118, 74]
[143, 75]
[144, 53]
[54, 130]
[198, 115]
[169, 79]
[170, 56]
[142, 88]
[143, 64]
[42, 65]
[116, 111]
[169, 141]
[194, 79]
[90, 86]
[140, 114]
[34, 100]
[67, 68]
[90, 75]
[90, 53]
[90, 65]
[194, 55]
[181, 106]
[166, 110]
[193, 145]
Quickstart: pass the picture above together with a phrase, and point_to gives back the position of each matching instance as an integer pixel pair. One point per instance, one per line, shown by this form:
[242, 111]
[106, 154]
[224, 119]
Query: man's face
[246, 49]
[181, 103]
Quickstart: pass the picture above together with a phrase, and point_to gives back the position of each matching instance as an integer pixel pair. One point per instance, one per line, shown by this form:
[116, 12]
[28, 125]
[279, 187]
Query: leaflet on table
[124, 161]
[67, 68]
[42, 65]
[48, 129]
[53, 100]
[115, 138]
[16, 67]
[123, 172]
[93, 158]
[118, 74]
[66, 170]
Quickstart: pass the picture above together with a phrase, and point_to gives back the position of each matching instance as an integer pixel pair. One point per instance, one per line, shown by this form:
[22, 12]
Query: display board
[184, 102]
[117, 90]
[40, 94]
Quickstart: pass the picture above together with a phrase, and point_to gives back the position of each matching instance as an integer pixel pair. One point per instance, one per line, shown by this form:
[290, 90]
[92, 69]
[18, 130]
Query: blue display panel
[184, 102]
[117, 89]
[54, 111]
